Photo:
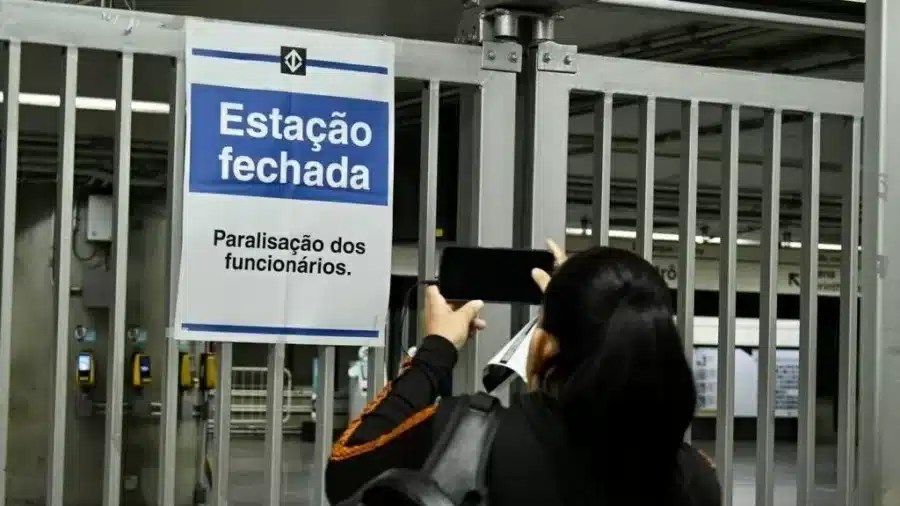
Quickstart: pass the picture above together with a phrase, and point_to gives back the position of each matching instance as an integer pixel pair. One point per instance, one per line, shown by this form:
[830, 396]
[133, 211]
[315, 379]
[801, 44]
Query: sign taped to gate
[287, 186]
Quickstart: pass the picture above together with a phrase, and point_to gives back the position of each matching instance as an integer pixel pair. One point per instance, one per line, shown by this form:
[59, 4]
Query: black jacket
[528, 465]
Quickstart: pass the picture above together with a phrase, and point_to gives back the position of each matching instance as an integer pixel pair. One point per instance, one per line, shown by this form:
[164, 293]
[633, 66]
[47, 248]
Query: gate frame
[732, 89]
[879, 444]
[28, 21]
[490, 164]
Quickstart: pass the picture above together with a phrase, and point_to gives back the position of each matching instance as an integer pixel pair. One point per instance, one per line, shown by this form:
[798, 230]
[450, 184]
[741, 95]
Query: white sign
[287, 186]
[511, 360]
[746, 369]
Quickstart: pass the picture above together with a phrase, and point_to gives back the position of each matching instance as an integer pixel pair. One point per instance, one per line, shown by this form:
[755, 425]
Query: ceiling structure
[620, 32]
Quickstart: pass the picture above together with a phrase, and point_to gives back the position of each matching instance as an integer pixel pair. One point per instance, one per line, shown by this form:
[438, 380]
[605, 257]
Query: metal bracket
[553, 57]
[479, 24]
[502, 56]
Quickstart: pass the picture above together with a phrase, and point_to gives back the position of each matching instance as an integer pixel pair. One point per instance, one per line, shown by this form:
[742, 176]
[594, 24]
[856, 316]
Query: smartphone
[492, 274]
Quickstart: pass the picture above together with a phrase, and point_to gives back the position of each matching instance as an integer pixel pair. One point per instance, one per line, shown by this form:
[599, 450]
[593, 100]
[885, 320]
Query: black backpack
[454, 472]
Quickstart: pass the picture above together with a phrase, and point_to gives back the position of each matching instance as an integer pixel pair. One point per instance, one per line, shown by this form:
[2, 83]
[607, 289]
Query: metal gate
[485, 79]
[485, 76]
[743, 103]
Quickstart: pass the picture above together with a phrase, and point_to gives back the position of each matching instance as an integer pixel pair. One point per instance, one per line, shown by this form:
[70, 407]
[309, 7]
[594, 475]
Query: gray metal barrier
[560, 71]
[485, 78]
[489, 85]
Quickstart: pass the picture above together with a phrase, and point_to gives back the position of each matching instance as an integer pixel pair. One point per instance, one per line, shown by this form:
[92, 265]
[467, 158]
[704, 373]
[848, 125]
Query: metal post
[848, 356]
[274, 422]
[201, 487]
[376, 372]
[222, 426]
[428, 188]
[809, 294]
[467, 219]
[731, 119]
[687, 227]
[62, 281]
[879, 388]
[169, 416]
[768, 310]
[548, 143]
[490, 215]
[603, 130]
[112, 465]
[646, 175]
[8, 234]
[324, 423]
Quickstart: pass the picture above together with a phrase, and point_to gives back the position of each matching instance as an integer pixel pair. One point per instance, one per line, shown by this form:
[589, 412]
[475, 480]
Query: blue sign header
[274, 144]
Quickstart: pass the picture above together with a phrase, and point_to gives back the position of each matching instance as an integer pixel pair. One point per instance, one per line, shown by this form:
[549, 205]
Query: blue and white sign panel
[287, 186]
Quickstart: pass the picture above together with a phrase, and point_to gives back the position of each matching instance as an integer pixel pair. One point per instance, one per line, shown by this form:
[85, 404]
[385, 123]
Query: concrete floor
[247, 473]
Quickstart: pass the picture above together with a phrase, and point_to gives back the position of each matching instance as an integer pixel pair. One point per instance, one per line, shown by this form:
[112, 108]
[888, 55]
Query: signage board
[287, 186]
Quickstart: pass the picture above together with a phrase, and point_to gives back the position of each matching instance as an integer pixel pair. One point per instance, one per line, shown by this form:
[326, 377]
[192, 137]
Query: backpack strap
[459, 459]
[399, 487]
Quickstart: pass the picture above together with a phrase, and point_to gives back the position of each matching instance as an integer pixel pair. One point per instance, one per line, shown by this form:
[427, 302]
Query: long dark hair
[620, 376]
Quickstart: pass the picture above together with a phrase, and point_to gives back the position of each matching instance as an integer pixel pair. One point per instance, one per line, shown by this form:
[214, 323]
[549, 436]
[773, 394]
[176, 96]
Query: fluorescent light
[668, 237]
[91, 103]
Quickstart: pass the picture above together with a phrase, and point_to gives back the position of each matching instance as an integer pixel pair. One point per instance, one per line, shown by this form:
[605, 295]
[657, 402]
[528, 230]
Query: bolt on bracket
[553, 57]
[502, 56]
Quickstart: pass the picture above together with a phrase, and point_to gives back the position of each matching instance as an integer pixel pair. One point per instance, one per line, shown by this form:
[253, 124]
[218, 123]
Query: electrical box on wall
[98, 223]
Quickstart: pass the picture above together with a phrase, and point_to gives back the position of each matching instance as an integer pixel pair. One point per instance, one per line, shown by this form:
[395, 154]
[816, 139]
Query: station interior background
[614, 32]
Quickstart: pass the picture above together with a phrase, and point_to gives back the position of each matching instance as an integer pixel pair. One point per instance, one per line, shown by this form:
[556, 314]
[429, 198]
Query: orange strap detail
[342, 451]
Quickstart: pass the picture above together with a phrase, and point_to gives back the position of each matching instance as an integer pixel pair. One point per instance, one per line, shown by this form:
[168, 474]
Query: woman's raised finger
[541, 278]
[559, 254]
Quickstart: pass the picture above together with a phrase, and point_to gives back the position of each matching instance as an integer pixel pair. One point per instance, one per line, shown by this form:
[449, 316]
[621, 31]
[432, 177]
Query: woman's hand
[542, 277]
[452, 324]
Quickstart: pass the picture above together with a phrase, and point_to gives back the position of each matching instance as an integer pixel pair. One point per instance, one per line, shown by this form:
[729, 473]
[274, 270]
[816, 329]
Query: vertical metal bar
[274, 422]
[727, 302]
[494, 211]
[8, 233]
[65, 187]
[376, 372]
[603, 131]
[222, 435]
[428, 180]
[878, 300]
[541, 168]
[768, 309]
[112, 464]
[467, 211]
[201, 426]
[769, 246]
[324, 423]
[646, 175]
[847, 354]
[687, 227]
[169, 416]
[809, 293]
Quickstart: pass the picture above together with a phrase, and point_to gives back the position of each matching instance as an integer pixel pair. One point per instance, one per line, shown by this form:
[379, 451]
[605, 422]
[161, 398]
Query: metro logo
[293, 60]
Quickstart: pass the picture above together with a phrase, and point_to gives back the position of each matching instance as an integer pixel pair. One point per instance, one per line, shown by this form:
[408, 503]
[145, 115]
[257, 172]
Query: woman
[611, 398]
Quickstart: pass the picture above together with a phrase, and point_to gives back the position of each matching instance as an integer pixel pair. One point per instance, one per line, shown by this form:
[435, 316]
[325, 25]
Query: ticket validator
[86, 379]
[139, 377]
[208, 371]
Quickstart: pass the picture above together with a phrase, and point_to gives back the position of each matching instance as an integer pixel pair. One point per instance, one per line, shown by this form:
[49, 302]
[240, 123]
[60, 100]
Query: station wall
[34, 349]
